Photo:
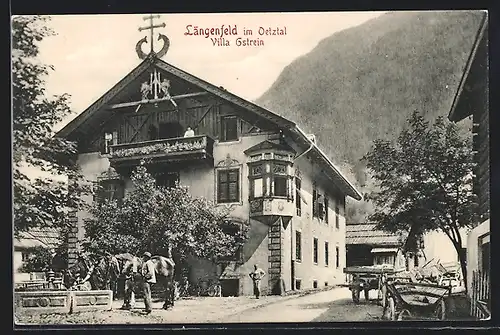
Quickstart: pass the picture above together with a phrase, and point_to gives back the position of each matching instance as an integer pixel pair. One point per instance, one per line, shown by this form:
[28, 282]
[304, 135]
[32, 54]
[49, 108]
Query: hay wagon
[415, 301]
[367, 278]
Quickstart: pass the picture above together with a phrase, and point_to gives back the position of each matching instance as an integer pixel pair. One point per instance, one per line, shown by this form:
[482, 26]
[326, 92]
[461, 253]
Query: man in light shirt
[189, 132]
[148, 271]
[257, 276]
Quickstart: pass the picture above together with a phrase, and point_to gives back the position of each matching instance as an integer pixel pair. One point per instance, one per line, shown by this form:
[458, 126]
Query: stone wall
[46, 302]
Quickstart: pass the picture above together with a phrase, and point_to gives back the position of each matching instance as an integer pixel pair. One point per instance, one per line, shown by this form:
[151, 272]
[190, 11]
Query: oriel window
[228, 186]
[229, 128]
[280, 188]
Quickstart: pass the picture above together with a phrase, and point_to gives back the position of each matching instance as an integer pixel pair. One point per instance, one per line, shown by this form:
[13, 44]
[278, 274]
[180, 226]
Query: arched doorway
[170, 130]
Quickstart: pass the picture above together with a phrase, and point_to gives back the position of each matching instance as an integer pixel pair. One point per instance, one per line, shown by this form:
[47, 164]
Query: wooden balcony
[171, 150]
[268, 209]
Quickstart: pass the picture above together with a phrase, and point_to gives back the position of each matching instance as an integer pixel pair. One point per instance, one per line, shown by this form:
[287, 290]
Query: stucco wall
[438, 246]
[310, 227]
[474, 250]
[92, 165]
[202, 183]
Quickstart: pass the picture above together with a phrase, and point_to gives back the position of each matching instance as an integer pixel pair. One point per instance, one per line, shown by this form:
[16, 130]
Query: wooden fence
[480, 296]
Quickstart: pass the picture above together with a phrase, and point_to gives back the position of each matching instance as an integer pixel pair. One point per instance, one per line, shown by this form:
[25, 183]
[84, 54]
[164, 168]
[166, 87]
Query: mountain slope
[362, 83]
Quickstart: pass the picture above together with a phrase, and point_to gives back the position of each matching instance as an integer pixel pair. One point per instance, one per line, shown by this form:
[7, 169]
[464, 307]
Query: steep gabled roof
[81, 121]
[99, 105]
[367, 233]
[44, 237]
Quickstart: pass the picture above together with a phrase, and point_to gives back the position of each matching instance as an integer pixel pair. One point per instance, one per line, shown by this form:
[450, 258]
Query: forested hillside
[362, 83]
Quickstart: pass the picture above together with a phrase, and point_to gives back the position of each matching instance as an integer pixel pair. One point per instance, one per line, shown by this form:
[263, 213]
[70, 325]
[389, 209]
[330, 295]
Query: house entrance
[230, 287]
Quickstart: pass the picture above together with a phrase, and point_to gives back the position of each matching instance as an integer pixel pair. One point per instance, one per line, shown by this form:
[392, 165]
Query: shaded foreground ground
[331, 305]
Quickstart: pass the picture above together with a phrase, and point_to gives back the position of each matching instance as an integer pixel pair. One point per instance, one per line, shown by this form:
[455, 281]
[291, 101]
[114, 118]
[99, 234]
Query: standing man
[148, 271]
[257, 276]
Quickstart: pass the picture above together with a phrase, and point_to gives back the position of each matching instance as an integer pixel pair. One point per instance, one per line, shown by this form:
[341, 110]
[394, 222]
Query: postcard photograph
[250, 168]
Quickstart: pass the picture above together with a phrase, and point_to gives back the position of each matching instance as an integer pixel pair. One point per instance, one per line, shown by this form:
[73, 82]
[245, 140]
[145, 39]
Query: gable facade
[233, 152]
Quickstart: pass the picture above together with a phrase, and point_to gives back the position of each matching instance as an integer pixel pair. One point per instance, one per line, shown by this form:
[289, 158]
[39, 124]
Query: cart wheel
[391, 306]
[441, 310]
[367, 295]
[404, 313]
[355, 295]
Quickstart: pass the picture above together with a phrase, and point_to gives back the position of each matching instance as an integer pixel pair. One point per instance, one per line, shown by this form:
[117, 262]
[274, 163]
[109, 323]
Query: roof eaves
[224, 94]
[465, 75]
[68, 129]
[351, 189]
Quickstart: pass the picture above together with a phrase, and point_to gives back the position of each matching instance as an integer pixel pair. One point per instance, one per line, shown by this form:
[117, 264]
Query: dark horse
[129, 267]
[86, 274]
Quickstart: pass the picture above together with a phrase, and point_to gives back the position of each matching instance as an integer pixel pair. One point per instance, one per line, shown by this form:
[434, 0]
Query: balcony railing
[164, 150]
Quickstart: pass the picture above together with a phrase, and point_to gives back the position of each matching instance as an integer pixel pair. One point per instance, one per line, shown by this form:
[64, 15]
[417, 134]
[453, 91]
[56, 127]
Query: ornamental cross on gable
[151, 27]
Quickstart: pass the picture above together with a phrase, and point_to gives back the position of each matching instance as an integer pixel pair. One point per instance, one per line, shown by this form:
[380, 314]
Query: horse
[99, 278]
[130, 267]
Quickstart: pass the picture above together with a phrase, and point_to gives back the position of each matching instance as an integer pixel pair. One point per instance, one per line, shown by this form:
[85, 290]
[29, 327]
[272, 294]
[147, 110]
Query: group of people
[148, 273]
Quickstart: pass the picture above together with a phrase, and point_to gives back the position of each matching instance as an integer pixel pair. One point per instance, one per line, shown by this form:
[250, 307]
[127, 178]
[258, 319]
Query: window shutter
[222, 187]
[326, 209]
[314, 202]
[233, 186]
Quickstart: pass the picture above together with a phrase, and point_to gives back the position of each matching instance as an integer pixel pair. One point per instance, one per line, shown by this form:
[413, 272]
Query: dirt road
[329, 306]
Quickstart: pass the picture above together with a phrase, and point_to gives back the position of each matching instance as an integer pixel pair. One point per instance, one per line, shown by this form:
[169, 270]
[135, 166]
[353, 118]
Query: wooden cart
[417, 301]
[367, 278]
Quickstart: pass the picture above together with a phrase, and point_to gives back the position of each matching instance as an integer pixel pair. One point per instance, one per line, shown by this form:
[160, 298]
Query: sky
[91, 53]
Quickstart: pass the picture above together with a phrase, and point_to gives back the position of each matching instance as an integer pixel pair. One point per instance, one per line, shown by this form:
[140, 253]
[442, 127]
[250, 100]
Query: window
[298, 198]
[25, 256]
[228, 186]
[229, 128]
[318, 204]
[297, 283]
[315, 202]
[337, 218]
[110, 189]
[269, 179]
[298, 246]
[315, 284]
[326, 210]
[280, 186]
[337, 257]
[384, 259]
[258, 187]
[326, 254]
[315, 250]
[167, 179]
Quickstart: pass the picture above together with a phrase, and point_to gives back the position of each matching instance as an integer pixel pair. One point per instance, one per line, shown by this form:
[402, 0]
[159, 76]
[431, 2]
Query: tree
[39, 201]
[40, 259]
[157, 219]
[424, 181]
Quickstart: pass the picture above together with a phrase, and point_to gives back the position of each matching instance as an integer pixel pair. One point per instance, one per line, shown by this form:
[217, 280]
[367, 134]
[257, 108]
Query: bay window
[270, 179]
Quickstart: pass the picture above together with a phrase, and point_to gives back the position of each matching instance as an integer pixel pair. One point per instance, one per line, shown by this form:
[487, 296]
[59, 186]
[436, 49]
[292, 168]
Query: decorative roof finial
[151, 27]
